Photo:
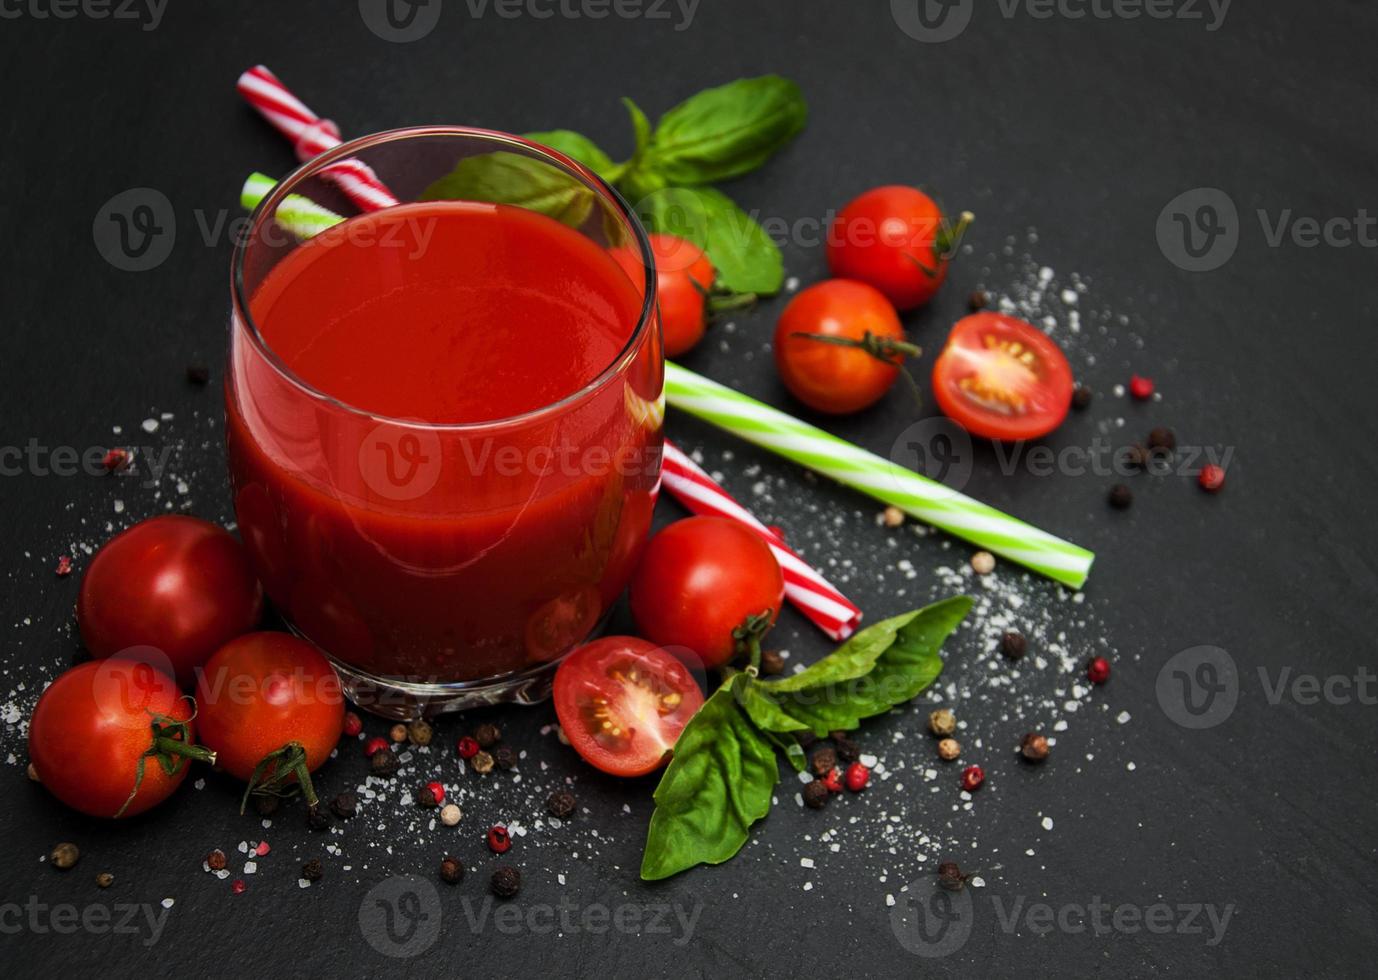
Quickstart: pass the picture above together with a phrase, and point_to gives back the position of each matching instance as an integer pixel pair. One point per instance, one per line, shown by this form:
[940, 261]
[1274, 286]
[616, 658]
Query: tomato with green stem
[685, 290]
[272, 709]
[622, 702]
[898, 240]
[1002, 378]
[113, 737]
[701, 583]
[839, 346]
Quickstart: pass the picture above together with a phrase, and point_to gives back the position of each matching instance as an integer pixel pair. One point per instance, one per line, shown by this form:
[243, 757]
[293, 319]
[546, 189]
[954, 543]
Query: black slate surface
[1083, 128]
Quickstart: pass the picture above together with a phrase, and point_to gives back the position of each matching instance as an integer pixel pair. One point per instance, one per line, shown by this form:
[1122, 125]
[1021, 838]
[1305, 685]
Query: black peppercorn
[1162, 438]
[425, 796]
[816, 795]
[345, 805]
[312, 870]
[824, 761]
[383, 763]
[487, 735]
[317, 818]
[198, 374]
[950, 876]
[1081, 398]
[1034, 747]
[481, 763]
[105, 879]
[505, 757]
[1121, 496]
[266, 804]
[419, 732]
[1013, 645]
[978, 301]
[451, 870]
[506, 881]
[847, 749]
[772, 663]
[561, 804]
[215, 860]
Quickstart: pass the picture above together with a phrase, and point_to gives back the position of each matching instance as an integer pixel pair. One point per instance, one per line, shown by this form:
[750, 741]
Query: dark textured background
[1082, 128]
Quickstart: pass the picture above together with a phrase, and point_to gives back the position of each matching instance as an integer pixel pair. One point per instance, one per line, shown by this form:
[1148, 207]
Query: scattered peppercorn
[466, 747]
[317, 818]
[398, 732]
[451, 814]
[430, 794]
[857, 777]
[972, 778]
[419, 732]
[198, 374]
[847, 749]
[833, 781]
[950, 876]
[561, 804]
[451, 870]
[1098, 670]
[1162, 438]
[1034, 747]
[1081, 398]
[977, 300]
[1212, 478]
[487, 735]
[949, 749]
[481, 763]
[823, 761]
[353, 724]
[384, 764]
[63, 568]
[1121, 496]
[499, 840]
[506, 881]
[266, 804]
[105, 879]
[505, 757]
[772, 663]
[375, 745]
[33, 773]
[983, 563]
[345, 805]
[115, 459]
[1141, 388]
[815, 795]
[312, 870]
[942, 722]
[64, 855]
[215, 860]
[1014, 645]
[893, 517]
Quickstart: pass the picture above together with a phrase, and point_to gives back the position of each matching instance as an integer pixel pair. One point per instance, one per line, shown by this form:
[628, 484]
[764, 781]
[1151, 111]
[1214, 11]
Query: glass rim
[289, 184]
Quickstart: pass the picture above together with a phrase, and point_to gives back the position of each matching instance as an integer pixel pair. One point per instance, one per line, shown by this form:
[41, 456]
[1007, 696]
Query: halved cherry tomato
[699, 580]
[270, 696]
[896, 239]
[99, 723]
[622, 702]
[1002, 378]
[177, 583]
[858, 356]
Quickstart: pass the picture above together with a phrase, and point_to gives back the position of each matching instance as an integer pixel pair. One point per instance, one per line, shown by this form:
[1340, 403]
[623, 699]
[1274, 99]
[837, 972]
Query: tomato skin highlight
[90, 728]
[1002, 378]
[828, 377]
[699, 580]
[622, 702]
[177, 583]
[260, 692]
[886, 238]
[684, 278]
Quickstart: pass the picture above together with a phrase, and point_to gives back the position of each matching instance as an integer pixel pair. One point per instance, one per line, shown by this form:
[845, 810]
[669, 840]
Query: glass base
[401, 700]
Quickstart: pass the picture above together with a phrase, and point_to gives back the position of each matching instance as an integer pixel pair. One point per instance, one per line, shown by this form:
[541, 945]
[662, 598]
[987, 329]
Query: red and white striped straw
[816, 598]
[310, 135]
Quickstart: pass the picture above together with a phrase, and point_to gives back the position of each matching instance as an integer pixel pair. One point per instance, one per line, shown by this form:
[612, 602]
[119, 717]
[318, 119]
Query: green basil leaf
[889, 667]
[727, 131]
[765, 712]
[578, 146]
[510, 178]
[744, 255]
[717, 785]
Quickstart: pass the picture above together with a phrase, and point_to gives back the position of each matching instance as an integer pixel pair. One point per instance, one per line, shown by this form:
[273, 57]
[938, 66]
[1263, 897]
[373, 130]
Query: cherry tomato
[1002, 378]
[861, 357]
[896, 239]
[176, 583]
[684, 277]
[263, 694]
[700, 580]
[622, 702]
[95, 724]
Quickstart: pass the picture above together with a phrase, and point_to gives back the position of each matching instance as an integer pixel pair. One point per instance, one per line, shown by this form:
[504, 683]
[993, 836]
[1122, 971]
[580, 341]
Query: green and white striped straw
[928, 500]
[758, 423]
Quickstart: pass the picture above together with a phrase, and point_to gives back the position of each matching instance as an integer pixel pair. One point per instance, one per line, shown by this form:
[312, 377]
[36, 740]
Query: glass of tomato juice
[444, 417]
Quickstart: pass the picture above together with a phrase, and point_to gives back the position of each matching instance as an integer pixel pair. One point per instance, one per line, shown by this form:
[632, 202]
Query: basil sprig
[724, 769]
[717, 135]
